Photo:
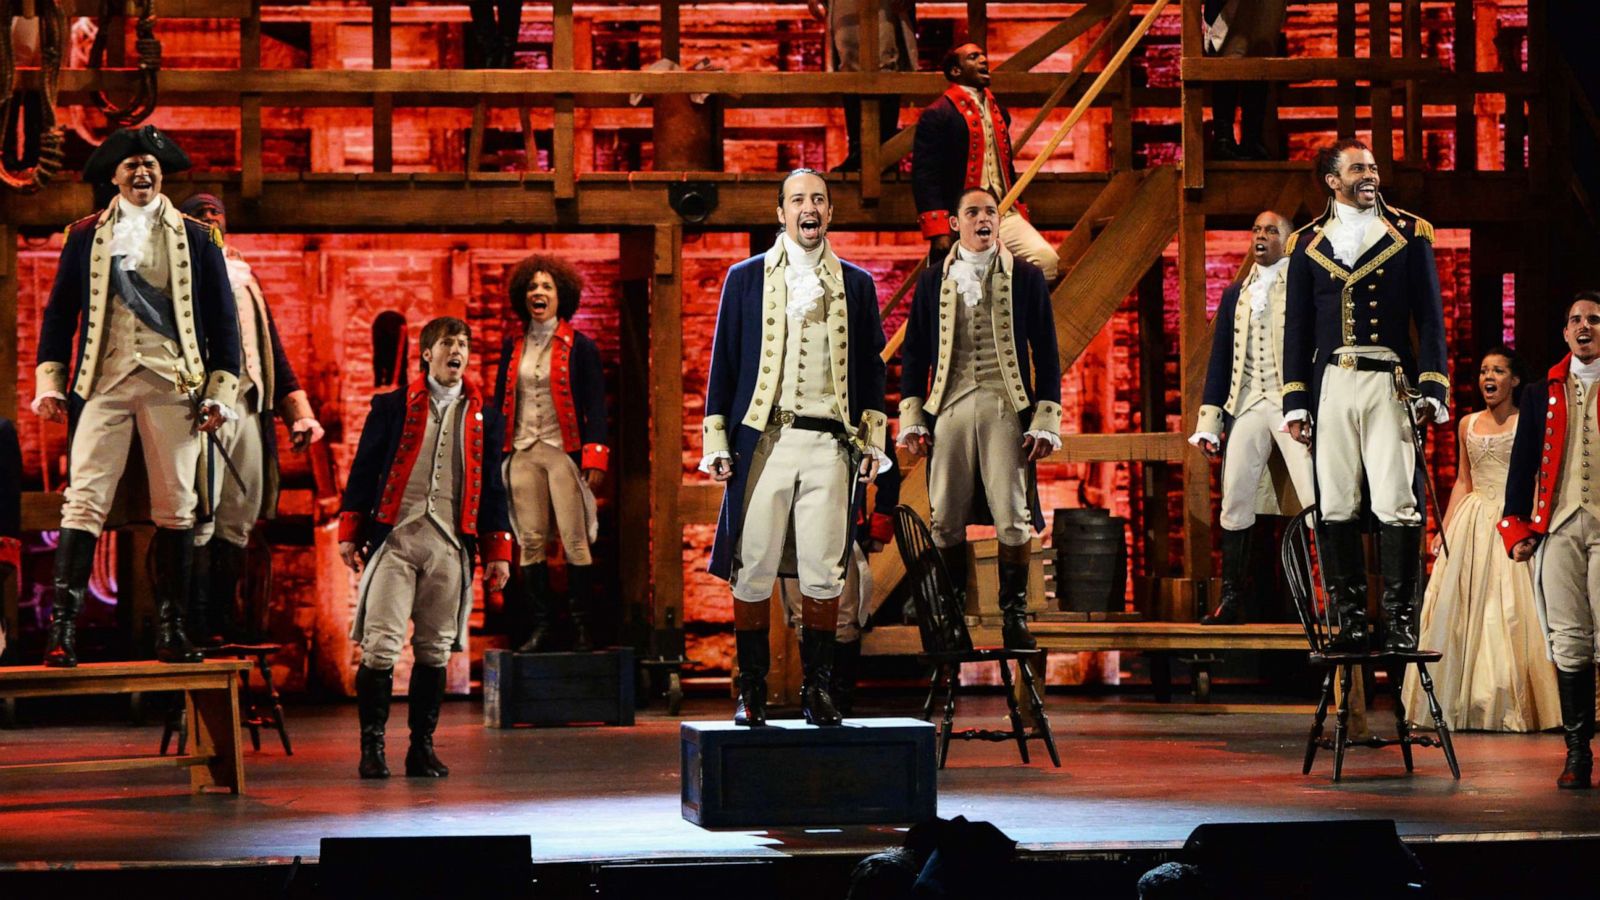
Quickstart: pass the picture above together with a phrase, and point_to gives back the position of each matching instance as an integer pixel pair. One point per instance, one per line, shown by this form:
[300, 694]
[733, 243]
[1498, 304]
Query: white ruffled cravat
[130, 234]
[967, 271]
[1260, 289]
[800, 275]
[1347, 229]
[1587, 373]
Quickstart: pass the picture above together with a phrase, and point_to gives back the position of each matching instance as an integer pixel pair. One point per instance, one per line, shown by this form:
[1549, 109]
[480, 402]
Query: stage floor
[1128, 779]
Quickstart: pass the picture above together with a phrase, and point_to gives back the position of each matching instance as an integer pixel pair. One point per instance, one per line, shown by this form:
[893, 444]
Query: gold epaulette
[1423, 227]
[1294, 237]
[216, 233]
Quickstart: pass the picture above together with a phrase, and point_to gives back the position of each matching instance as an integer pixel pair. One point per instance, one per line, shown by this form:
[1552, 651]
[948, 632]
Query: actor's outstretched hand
[721, 469]
[498, 572]
[347, 552]
[868, 470]
[1034, 449]
[593, 477]
[1300, 430]
[1522, 550]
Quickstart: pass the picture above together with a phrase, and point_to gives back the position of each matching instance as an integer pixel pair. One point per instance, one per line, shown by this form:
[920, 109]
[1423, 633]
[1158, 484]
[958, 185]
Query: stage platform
[1130, 783]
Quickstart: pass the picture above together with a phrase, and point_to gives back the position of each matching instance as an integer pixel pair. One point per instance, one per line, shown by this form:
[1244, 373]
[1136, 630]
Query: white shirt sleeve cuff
[1294, 415]
[907, 433]
[46, 395]
[228, 414]
[1199, 436]
[1050, 436]
[710, 459]
[1441, 413]
[884, 462]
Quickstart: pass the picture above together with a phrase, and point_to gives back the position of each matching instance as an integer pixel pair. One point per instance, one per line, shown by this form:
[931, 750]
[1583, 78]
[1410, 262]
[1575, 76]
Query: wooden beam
[978, 22]
[671, 30]
[1382, 96]
[666, 423]
[382, 104]
[1057, 36]
[1411, 48]
[1192, 101]
[1078, 68]
[1105, 206]
[1275, 68]
[1466, 56]
[251, 167]
[1194, 348]
[169, 9]
[1345, 46]
[632, 469]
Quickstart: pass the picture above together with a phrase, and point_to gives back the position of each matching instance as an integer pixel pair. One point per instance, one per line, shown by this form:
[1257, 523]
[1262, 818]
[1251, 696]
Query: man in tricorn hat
[248, 491]
[157, 355]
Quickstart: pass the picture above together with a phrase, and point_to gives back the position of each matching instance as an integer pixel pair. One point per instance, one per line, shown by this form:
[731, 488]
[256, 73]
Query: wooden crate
[558, 688]
[983, 578]
[869, 771]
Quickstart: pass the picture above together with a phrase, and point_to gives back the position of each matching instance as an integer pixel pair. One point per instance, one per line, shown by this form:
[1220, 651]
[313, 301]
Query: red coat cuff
[1514, 530]
[596, 456]
[497, 547]
[881, 527]
[350, 527]
[935, 223]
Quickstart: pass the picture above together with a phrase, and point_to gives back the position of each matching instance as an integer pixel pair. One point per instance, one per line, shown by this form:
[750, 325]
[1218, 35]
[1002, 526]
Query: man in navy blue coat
[157, 354]
[424, 495]
[794, 426]
[1361, 277]
[980, 389]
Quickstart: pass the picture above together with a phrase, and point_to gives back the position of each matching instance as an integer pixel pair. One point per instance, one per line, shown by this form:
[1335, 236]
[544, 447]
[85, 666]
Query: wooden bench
[1160, 639]
[211, 700]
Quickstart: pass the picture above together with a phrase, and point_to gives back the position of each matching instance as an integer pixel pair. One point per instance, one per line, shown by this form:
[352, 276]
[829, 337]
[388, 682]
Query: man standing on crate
[1552, 517]
[981, 397]
[1265, 471]
[794, 427]
[1361, 277]
[424, 495]
[145, 289]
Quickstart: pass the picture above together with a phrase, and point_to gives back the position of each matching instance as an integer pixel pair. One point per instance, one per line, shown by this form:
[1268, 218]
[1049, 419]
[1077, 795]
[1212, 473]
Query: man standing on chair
[963, 142]
[1243, 400]
[157, 355]
[981, 397]
[1553, 517]
[1361, 277]
[794, 428]
[267, 384]
[424, 495]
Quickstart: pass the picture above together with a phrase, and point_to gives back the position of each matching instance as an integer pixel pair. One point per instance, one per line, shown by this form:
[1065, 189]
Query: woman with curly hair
[552, 393]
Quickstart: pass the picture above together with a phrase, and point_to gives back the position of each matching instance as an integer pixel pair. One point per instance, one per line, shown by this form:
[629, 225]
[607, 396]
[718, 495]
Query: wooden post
[382, 104]
[1411, 49]
[871, 141]
[1382, 92]
[1122, 108]
[1345, 42]
[978, 23]
[250, 163]
[1193, 100]
[1466, 52]
[671, 30]
[1194, 346]
[1153, 415]
[563, 159]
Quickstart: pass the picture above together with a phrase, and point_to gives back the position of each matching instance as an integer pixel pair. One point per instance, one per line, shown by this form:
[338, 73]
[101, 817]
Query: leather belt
[786, 419]
[1365, 363]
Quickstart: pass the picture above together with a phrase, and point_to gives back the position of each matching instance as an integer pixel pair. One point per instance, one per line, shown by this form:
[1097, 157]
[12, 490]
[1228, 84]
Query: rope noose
[52, 41]
[149, 51]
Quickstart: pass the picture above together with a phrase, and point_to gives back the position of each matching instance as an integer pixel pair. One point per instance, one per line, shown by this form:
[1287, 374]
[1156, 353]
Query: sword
[1409, 397]
[195, 400]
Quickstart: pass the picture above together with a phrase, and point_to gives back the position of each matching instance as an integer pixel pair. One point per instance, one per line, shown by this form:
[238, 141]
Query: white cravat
[1587, 373]
[130, 234]
[800, 274]
[1260, 289]
[442, 396]
[967, 271]
[1347, 230]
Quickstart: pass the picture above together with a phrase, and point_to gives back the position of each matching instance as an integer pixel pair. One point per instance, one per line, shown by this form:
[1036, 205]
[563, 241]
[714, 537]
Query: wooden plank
[903, 640]
[1411, 48]
[1382, 96]
[1192, 102]
[1194, 349]
[214, 732]
[1099, 43]
[1114, 263]
[699, 504]
[1465, 45]
[1057, 36]
[666, 423]
[671, 30]
[169, 9]
[105, 764]
[1105, 205]
[1277, 68]
[631, 456]
[1130, 447]
[382, 104]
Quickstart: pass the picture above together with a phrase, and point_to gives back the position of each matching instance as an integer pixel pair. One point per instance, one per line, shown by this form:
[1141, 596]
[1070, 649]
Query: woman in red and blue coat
[551, 391]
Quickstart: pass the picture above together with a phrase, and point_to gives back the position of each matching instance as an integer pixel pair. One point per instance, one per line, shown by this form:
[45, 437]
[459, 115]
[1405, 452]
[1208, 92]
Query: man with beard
[1361, 276]
[157, 356]
[1553, 517]
[266, 384]
[1243, 399]
[794, 427]
[980, 353]
[424, 495]
[962, 143]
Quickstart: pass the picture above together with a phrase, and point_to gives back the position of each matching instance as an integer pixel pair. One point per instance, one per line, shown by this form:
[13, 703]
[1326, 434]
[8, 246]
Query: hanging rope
[149, 51]
[52, 41]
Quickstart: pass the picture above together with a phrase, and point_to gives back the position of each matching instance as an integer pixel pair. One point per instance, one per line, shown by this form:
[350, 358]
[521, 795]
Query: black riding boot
[199, 618]
[1344, 568]
[426, 695]
[1235, 578]
[536, 597]
[580, 590]
[852, 131]
[74, 560]
[373, 690]
[227, 569]
[1576, 690]
[1399, 560]
[816, 660]
[1013, 565]
[174, 557]
[846, 662]
[955, 564]
[755, 658]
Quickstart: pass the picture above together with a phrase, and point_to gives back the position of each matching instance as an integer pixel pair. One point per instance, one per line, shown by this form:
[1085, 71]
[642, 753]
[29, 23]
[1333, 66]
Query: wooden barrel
[1091, 571]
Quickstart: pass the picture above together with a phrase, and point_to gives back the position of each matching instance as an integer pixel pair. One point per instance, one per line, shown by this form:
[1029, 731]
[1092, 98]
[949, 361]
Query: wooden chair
[947, 646]
[263, 710]
[1303, 571]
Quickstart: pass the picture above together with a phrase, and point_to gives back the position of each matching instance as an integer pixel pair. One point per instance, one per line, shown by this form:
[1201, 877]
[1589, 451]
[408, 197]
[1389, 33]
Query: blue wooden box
[870, 771]
[558, 688]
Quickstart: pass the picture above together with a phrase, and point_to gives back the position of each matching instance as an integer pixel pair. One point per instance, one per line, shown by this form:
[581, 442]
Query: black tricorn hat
[126, 142]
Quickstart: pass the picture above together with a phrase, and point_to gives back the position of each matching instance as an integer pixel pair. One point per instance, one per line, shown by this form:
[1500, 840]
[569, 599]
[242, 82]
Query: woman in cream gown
[1479, 608]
